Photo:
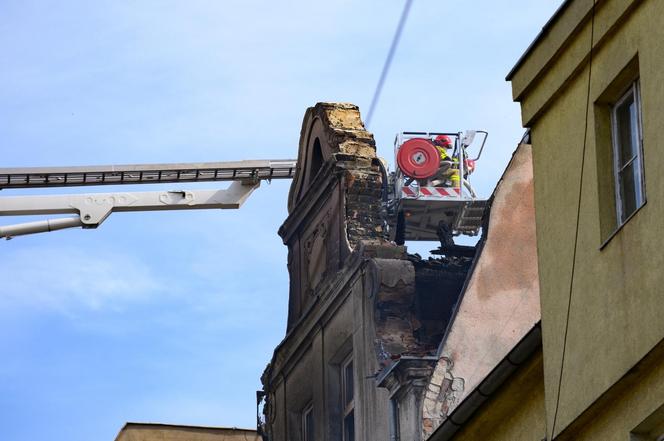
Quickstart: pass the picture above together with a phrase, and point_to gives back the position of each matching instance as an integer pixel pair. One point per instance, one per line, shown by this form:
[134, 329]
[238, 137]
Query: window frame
[347, 405]
[307, 411]
[651, 428]
[634, 92]
[395, 429]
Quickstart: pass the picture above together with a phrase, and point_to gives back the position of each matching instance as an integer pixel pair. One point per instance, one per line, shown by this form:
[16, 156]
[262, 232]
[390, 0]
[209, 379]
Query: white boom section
[31, 177]
[93, 209]
[39, 227]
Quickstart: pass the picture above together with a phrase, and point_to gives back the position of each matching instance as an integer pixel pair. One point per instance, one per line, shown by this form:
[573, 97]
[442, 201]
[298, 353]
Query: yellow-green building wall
[515, 412]
[621, 412]
[617, 304]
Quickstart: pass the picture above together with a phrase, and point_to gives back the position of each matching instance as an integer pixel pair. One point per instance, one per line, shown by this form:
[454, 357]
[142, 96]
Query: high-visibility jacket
[453, 172]
[443, 154]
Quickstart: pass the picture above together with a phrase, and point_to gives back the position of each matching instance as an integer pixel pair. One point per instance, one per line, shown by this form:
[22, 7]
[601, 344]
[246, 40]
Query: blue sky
[172, 317]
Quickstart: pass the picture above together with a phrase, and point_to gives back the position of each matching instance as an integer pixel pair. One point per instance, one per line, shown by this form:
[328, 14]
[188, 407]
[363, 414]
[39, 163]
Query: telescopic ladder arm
[92, 209]
[32, 177]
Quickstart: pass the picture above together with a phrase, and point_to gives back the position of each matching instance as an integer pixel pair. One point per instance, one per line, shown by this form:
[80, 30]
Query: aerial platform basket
[427, 204]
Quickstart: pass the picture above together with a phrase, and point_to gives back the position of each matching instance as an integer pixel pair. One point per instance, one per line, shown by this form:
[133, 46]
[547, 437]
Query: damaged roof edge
[540, 36]
[519, 354]
[380, 379]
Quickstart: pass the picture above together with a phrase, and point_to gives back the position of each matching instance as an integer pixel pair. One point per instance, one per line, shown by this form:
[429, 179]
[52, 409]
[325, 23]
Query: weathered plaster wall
[392, 306]
[375, 401]
[501, 301]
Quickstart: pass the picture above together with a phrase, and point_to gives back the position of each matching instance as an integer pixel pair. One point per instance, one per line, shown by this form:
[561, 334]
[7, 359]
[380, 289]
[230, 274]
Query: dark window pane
[348, 383]
[631, 193]
[628, 192]
[628, 160]
[394, 420]
[349, 427]
[627, 126]
[309, 426]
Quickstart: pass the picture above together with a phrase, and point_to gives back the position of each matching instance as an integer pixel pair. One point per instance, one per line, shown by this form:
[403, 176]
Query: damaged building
[552, 327]
[379, 342]
[549, 328]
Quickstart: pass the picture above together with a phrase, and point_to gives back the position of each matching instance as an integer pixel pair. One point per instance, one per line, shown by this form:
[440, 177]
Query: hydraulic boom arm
[92, 209]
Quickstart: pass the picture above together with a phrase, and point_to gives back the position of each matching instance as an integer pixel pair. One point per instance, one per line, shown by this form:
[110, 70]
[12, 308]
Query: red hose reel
[418, 158]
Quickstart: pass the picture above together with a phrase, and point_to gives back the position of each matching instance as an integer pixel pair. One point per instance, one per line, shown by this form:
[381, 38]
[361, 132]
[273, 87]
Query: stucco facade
[598, 334]
[173, 432]
[500, 301]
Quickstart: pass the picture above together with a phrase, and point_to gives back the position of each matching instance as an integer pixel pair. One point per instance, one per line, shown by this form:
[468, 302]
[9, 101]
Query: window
[626, 136]
[308, 423]
[394, 420]
[347, 400]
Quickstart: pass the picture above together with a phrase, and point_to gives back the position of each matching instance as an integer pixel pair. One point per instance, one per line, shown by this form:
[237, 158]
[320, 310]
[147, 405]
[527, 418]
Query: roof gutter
[519, 354]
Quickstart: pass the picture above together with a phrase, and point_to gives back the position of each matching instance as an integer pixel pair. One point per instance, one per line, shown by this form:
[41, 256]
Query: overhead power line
[388, 60]
[576, 229]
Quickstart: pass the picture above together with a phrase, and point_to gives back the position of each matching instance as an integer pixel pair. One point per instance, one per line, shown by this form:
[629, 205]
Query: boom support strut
[92, 209]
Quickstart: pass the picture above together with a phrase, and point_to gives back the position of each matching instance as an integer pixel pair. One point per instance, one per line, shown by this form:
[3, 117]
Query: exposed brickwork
[342, 139]
[364, 218]
[345, 130]
[442, 394]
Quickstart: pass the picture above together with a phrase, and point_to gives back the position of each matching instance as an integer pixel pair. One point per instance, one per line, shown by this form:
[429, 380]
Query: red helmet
[443, 141]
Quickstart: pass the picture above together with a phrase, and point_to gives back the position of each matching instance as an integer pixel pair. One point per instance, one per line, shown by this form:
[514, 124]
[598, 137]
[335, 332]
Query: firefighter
[448, 175]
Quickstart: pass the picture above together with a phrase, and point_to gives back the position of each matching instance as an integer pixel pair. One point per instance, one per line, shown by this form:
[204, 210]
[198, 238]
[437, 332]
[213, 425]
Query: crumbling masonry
[356, 299]
[352, 292]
